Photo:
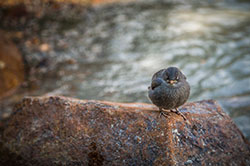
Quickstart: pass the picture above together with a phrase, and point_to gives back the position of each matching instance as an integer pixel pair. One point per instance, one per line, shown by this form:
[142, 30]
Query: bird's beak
[172, 82]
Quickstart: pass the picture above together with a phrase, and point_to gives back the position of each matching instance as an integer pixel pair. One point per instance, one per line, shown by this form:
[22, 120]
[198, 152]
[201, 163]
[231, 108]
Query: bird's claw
[179, 113]
[163, 114]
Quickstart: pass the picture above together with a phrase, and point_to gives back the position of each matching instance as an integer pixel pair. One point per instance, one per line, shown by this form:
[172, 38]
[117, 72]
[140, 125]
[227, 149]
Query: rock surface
[11, 66]
[66, 131]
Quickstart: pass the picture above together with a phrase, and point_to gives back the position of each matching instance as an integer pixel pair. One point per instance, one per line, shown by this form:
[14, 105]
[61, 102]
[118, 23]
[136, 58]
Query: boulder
[11, 66]
[65, 131]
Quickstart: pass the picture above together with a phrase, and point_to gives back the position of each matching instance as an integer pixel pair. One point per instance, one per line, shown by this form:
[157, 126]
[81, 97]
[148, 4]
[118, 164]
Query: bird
[169, 90]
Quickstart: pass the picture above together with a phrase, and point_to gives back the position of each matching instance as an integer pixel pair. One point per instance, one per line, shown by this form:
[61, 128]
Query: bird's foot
[162, 113]
[179, 113]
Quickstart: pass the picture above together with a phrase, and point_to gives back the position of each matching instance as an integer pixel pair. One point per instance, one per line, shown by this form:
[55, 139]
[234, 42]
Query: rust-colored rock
[59, 130]
[11, 66]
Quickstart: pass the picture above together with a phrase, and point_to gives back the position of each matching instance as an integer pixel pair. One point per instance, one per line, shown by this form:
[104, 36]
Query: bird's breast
[168, 97]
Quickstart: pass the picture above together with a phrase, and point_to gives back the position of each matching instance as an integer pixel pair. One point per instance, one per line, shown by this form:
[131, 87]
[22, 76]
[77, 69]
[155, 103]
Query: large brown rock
[66, 131]
[11, 66]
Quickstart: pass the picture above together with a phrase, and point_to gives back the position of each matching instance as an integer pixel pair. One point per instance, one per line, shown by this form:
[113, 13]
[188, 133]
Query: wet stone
[65, 131]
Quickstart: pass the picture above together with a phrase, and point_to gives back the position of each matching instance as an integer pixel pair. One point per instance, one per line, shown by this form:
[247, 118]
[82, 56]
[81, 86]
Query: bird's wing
[157, 74]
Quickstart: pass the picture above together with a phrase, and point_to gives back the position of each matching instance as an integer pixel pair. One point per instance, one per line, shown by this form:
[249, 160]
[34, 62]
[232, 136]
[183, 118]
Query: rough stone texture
[11, 66]
[66, 131]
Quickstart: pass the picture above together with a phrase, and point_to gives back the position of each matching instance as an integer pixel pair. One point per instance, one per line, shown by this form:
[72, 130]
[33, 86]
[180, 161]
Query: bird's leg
[179, 113]
[162, 113]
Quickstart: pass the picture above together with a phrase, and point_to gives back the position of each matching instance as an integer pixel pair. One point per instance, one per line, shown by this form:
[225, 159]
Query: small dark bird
[169, 90]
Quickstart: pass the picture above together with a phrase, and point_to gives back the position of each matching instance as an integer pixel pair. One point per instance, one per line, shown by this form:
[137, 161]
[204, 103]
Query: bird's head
[173, 75]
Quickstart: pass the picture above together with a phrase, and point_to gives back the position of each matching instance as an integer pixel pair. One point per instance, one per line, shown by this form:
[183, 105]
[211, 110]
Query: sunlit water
[117, 49]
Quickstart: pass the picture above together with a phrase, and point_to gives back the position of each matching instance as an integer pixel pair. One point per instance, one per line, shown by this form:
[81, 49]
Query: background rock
[11, 66]
[59, 130]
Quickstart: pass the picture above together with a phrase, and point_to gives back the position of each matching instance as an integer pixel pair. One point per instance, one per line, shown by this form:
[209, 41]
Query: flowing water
[117, 48]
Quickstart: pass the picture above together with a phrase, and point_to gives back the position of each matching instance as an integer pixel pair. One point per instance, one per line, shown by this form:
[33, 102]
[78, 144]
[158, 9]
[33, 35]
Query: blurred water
[119, 47]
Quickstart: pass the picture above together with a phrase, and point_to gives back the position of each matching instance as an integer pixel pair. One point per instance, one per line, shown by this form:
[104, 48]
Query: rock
[65, 131]
[11, 66]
